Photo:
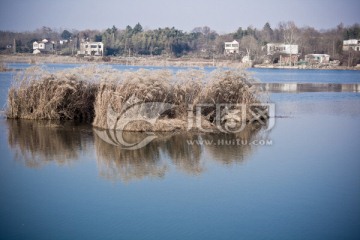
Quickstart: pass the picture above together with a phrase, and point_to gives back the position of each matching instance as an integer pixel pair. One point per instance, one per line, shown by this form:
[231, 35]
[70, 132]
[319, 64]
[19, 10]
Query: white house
[272, 48]
[317, 58]
[287, 54]
[43, 46]
[91, 49]
[231, 47]
[63, 41]
[353, 44]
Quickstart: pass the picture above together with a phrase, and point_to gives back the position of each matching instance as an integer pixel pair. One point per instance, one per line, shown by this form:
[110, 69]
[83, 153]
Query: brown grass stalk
[86, 94]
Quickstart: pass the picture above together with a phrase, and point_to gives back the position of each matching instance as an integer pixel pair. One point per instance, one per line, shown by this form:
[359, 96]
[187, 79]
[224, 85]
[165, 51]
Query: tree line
[200, 42]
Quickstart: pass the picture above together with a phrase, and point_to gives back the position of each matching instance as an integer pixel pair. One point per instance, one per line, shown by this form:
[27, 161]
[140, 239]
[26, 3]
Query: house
[63, 41]
[287, 59]
[284, 54]
[91, 49]
[43, 47]
[353, 44]
[272, 48]
[317, 58]
[231, 47]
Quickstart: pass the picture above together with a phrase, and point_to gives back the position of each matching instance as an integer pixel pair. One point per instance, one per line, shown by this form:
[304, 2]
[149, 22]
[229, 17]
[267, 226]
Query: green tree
[240, 33]
[66, 35]
[98, 38]
[352, 32]
[267, 33]
[137, 29]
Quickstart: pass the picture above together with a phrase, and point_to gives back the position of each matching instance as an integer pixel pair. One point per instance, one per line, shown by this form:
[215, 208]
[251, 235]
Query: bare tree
[290, 34]
[250, 45]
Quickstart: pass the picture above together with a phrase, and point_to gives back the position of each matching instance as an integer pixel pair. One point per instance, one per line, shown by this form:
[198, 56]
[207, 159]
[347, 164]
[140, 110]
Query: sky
[223, 16]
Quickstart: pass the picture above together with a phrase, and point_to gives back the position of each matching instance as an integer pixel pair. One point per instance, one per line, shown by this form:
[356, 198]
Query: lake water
[300, 180]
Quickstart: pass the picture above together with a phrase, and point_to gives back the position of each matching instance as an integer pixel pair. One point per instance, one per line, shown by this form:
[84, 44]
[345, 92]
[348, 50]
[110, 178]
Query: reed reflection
[187, 152]
[116, 163]
[36, 143]
[234, 148]
[153, 160]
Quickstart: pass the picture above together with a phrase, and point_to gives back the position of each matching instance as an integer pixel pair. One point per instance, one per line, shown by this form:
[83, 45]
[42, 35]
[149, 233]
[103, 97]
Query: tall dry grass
[183, 89]
[38, 94]
[87, 93]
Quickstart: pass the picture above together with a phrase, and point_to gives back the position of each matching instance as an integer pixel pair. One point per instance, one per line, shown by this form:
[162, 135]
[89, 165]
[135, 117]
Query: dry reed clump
[187, 87]
[232, 87]
[123, 87]
[92, 93]
[38, 94]
[153, 88]
[180, 90]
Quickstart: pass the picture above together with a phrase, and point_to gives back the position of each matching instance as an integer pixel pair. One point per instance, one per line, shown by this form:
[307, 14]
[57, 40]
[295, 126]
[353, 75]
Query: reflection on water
[309, 87]
[38, 143]
[234, 148]
[184, 151]
[116, 163]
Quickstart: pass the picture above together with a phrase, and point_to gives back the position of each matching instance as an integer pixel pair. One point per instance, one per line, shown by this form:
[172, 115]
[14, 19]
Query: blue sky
[223, 16]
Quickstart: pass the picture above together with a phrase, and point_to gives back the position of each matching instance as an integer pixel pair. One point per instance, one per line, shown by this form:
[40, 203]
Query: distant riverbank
[320, 67]
[151, 61]
[135, 61]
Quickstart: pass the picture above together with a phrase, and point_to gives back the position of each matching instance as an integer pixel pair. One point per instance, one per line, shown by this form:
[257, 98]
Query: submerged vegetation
[86, 94]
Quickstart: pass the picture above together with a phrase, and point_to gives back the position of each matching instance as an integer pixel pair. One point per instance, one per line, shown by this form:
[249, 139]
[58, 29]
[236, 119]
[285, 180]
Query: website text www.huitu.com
[231, 142]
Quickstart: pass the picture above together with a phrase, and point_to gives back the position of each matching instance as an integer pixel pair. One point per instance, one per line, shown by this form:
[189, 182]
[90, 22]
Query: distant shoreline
[304, 67]
[151, 61]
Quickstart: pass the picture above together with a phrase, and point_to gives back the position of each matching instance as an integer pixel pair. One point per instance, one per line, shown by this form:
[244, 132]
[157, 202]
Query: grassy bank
[90, 94]
[135, 61]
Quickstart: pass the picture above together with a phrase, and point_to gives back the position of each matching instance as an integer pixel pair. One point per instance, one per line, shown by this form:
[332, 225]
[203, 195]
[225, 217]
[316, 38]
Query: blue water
[306, 76]
[265, 75]
[64, 66]
[61, 181]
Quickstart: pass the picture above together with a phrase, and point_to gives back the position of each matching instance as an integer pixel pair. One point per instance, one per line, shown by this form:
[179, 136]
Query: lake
[299, 180]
